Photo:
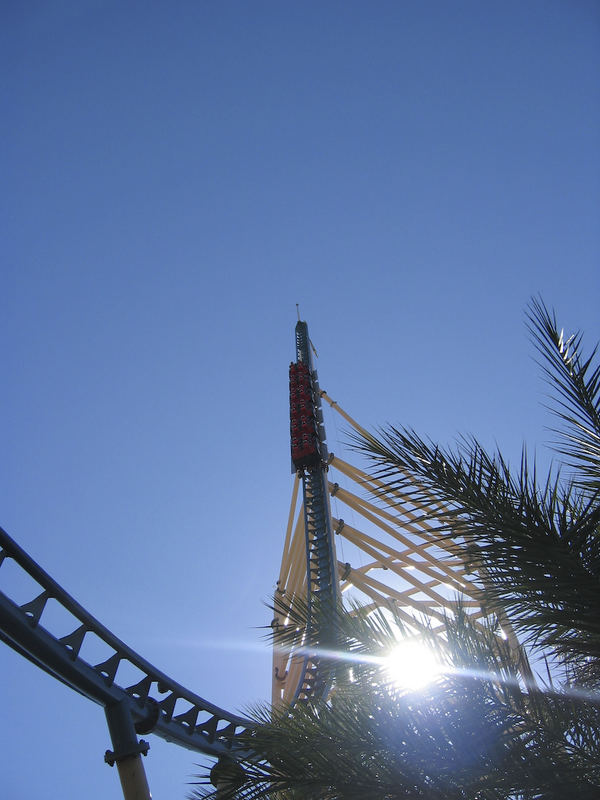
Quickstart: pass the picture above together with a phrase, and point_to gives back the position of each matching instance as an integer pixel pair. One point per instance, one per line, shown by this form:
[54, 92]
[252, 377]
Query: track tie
[168, 705]
[73, 641]
[188, 718]
[140, 689]
[34, 608]
[108, 668]
[210, 728]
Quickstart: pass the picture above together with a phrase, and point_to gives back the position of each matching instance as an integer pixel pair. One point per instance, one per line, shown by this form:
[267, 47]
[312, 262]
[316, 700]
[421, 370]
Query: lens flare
[411, 666]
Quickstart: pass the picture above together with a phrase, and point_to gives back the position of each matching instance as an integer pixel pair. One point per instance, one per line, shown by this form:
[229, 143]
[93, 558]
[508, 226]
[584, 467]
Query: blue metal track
[156, 703]
[321, 563]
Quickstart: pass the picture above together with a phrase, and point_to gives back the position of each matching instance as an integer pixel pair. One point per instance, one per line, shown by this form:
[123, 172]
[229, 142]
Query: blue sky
[176, 177]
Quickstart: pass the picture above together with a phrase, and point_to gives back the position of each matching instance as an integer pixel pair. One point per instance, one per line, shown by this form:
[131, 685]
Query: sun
[411, 666]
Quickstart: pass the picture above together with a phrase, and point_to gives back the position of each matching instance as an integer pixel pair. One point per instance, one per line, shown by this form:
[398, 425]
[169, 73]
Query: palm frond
[537, 549]
[575, 383]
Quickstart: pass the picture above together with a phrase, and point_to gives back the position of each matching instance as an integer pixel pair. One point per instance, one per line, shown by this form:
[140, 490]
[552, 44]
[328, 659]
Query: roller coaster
[389, 555]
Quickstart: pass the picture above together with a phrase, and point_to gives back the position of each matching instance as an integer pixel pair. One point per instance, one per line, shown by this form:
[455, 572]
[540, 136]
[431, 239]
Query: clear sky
[176, 176]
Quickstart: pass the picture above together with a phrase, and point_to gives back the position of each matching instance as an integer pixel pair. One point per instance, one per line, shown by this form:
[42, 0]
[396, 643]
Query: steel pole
[127, 753]
[133, 779]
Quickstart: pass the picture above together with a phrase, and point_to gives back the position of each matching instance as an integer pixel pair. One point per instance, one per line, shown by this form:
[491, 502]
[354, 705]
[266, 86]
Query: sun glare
[411, 666]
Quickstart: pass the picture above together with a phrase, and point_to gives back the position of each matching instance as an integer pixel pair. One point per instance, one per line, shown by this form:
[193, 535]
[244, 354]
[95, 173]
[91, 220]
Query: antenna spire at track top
[312, 347]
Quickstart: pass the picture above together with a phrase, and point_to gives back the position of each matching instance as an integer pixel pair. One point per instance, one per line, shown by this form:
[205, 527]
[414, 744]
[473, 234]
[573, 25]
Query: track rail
[156, 702]
[321, 563]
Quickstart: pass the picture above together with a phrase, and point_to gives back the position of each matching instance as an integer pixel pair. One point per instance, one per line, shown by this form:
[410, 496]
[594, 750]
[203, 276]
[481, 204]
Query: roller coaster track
[156, 703]
[309, 460]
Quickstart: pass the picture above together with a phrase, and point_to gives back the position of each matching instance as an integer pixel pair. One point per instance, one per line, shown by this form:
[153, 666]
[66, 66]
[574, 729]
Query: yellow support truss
[385, 559]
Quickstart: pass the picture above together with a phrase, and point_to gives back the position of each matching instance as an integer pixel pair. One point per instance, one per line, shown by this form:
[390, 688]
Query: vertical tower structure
[396, 553]
[309, 461]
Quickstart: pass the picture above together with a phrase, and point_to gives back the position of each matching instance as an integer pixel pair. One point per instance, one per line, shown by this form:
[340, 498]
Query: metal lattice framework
[387, 558]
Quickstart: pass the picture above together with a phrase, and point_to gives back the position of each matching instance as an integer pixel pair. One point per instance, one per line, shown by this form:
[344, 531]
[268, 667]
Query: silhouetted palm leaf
[575, 383]
[539, 546]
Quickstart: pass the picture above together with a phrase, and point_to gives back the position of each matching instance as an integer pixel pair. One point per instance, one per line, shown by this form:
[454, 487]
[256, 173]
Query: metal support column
[127, 752]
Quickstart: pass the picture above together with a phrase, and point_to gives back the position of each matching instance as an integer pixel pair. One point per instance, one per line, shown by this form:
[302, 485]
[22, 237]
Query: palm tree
[483, 729]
